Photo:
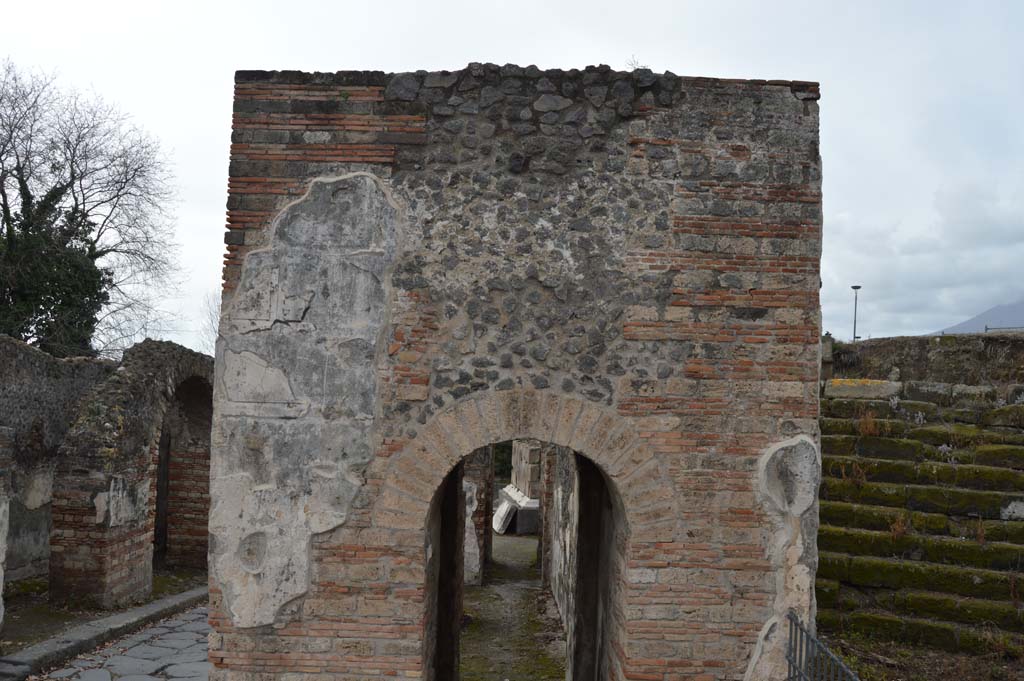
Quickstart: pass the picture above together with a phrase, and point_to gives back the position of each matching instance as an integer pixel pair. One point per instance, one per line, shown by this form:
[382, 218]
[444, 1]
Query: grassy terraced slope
[922, 514]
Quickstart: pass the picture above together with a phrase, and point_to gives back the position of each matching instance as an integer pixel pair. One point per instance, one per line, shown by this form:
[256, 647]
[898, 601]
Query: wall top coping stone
[493, 72]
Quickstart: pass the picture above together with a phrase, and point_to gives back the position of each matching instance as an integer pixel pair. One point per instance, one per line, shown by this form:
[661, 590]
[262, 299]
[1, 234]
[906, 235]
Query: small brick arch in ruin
[133, 477]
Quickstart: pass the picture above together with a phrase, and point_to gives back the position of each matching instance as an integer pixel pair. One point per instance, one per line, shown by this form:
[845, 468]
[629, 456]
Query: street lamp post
[856, 288]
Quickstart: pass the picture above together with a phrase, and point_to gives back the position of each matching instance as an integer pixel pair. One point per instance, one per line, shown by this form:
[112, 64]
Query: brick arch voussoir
[147, 380]
[413, 474]
[174, 376]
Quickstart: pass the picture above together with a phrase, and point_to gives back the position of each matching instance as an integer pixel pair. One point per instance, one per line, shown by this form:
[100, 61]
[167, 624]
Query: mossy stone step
[906, 449]
[893, 573]
[973, 415]
[879, 447]
[923, 604]
[883, 518]
[895, 448]
[977, 611]
[963, 436]
[925, 498]
[922, 547]
[1010, 416]
[826, 592]
[964, 476]
[887, 427]
[846, 408]
[935, 634]
[1004, 456]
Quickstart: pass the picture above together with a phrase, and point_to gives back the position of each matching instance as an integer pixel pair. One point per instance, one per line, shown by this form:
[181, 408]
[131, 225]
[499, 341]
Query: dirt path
[512, 632]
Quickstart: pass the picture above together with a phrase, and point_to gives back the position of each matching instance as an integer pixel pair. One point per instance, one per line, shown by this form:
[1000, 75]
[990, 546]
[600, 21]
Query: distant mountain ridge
[1009, 315]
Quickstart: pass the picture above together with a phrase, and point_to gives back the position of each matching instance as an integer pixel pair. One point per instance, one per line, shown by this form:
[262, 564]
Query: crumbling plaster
[788, 477]
[315, 300]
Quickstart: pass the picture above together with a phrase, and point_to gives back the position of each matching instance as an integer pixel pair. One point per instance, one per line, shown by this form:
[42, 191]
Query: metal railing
[809, 659]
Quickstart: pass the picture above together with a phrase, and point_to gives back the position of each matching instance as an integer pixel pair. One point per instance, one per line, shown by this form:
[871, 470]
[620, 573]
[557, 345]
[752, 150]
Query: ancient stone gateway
[423, 264]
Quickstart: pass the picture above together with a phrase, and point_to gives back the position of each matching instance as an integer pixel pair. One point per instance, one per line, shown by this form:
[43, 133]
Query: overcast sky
[921, 110]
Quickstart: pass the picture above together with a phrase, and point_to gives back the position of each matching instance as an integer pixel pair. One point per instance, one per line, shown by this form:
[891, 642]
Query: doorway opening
[548, 605]
[180, 479]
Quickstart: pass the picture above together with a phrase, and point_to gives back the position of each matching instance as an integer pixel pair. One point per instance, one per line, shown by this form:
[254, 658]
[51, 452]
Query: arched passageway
[134, 477]
[582, 546]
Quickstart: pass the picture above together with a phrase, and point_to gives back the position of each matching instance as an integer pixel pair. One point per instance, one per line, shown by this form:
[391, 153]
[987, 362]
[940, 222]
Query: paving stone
[85, 662]
[131, 641]
[174, 623]
[94, 675]
[175, 643]
[123, 666]
[149, 652]
[139, 677]
[182, 635]
[64, 673]
[188, 669]
[196, 626]
[184, 657]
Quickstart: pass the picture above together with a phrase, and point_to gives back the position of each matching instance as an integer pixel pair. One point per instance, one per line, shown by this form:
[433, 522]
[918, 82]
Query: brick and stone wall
[423, 264]
[39, 396]
[179, 497]
[101, 545]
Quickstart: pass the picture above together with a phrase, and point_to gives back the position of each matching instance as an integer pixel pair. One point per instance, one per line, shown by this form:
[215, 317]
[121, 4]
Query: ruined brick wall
[38, 398]
[561, 520]
[423, 264]
[103, 518]
[967, 359]
[478, 485]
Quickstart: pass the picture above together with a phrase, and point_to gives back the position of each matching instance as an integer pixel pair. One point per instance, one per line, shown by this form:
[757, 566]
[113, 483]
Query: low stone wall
[39, 396]
[5, 492]
[968, 359]
[922, 507]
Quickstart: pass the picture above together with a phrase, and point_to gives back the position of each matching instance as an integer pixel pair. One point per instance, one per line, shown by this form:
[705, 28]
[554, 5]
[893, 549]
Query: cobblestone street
[175, 648]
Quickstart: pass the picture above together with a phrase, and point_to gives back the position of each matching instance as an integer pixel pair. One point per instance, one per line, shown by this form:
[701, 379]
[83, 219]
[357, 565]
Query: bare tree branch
[69, 153]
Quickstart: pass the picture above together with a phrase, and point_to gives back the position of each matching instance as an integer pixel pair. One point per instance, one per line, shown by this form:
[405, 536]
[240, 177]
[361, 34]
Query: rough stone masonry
[423, 264]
